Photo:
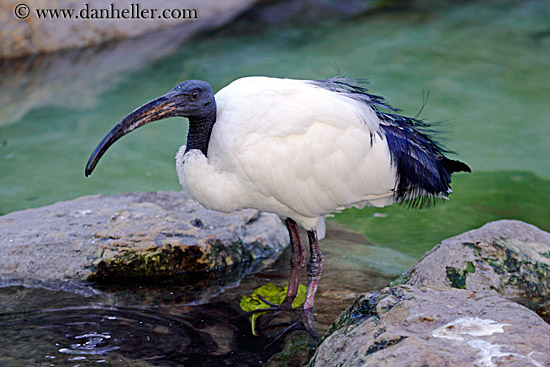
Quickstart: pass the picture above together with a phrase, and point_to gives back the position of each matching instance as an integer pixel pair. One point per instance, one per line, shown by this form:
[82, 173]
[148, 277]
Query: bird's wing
[312, 150]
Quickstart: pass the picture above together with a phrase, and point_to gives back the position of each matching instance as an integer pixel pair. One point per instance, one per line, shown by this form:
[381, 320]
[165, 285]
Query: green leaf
[271, 293]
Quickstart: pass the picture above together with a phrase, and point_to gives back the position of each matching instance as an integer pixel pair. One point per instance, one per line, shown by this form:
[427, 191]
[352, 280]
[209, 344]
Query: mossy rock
[420, 326]
[507, 257]
[135, 235]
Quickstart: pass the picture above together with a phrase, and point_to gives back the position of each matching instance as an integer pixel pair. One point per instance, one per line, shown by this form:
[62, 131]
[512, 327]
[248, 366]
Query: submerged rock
[133, 235]
[507, 257]
[412, 326]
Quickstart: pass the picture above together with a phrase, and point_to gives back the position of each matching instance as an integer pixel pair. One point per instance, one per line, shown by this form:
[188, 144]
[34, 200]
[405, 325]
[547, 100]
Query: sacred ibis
[302, 149]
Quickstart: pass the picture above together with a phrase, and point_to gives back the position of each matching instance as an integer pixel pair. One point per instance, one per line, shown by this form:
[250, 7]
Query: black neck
[200, 129]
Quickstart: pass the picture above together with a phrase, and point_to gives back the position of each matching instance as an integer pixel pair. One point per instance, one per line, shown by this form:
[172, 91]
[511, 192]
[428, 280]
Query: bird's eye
[194, 95]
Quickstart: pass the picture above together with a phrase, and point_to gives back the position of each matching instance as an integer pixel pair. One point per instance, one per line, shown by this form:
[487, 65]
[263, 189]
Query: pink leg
[314, 269]
[297, 262]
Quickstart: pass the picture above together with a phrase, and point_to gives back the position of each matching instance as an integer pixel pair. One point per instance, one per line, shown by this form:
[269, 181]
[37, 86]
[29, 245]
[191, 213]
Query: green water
[486, 64]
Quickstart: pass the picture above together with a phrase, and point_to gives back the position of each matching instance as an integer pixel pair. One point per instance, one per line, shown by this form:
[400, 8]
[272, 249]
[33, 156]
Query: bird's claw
[297, 322]
[273, 305]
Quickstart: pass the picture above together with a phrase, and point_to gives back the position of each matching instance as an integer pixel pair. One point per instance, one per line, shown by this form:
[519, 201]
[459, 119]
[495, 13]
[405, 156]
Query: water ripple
[206, 335]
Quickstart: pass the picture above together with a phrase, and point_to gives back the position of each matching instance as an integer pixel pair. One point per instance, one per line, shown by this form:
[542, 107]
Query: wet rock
[133, 235]
[412, 326]
[507, 257]
[298, 350]
[33, 34]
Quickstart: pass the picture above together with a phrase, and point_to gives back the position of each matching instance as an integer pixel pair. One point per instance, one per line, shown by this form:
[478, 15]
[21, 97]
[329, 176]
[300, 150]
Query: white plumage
[292, 148]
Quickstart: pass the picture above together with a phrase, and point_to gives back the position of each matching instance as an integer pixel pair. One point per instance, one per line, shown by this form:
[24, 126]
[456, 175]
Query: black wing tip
[465, 169]
[456, 166]
[421, 202]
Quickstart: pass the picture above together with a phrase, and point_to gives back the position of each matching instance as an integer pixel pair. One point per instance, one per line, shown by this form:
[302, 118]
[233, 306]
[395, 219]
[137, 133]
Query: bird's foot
[300, 319]
[273, 308]
[311, 324]
[306, 323]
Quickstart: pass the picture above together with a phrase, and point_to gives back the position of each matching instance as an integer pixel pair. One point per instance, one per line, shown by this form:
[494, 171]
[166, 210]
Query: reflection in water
[207, 335]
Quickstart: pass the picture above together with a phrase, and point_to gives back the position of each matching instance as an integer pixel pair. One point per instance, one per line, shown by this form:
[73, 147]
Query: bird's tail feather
[423, 172]
[455, 166]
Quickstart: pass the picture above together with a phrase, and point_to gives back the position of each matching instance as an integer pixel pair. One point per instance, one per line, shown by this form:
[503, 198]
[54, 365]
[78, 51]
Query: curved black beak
[160, 108]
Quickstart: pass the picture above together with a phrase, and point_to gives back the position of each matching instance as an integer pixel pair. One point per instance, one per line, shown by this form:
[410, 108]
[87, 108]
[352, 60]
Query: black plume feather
[423, 171]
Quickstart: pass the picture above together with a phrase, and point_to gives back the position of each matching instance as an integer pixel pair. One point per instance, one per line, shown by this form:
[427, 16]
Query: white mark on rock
[530, 358]
[77, 358]
[83, 213]
[488, 351]
[473, 326]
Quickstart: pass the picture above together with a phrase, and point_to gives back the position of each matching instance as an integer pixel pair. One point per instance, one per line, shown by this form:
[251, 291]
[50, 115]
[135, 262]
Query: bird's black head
[193, 99]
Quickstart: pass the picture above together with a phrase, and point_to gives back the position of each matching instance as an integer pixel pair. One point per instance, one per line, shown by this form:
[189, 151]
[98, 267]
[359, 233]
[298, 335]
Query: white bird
[302, 149]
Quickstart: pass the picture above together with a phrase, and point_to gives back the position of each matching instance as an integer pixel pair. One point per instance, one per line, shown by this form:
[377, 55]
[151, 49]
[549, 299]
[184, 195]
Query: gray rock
[32, 35]
[140, 234]
[421, 327]
[507, 257]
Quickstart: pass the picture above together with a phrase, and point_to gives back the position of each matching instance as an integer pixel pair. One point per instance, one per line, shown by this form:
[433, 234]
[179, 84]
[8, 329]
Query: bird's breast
[212, 187]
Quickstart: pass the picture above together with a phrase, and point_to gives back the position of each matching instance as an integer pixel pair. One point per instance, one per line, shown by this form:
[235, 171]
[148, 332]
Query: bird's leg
[314, 271]
[297, 262]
